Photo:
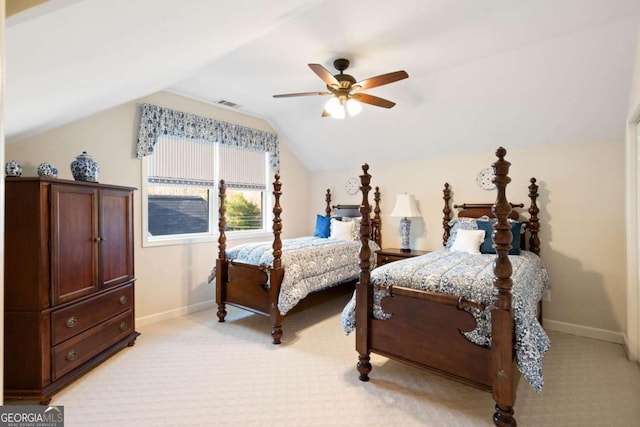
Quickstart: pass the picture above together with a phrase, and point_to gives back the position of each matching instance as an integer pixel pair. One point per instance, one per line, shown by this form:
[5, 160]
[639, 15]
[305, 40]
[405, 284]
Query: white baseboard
[552, 325]
[584, 331]
[172, 314]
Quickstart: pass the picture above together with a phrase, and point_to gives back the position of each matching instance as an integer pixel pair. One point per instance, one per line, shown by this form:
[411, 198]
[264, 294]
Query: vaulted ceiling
[481, 73]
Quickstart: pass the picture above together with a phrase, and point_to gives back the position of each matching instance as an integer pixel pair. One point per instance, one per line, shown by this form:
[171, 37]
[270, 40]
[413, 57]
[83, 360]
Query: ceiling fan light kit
[346, 90]
[353, 107]
[335, 108]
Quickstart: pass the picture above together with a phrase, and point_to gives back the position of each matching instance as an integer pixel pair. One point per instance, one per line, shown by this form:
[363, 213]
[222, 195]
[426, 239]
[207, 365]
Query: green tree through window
[242, 214]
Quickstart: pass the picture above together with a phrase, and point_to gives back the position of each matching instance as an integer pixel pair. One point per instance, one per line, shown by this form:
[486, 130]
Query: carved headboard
[477, 210]
[354, 211]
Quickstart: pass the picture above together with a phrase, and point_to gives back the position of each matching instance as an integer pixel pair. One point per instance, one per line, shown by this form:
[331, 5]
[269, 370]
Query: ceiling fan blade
[324, 74]
[287, 95]
[373, 100]
[380, 80]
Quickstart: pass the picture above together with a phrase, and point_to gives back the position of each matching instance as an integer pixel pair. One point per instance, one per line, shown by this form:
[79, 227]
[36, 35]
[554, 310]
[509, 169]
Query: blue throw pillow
[487, 245]
[515, 243]
[323, 226]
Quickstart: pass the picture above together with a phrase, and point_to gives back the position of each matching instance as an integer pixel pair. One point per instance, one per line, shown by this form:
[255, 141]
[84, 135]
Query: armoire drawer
[76, 318]
[74, 352]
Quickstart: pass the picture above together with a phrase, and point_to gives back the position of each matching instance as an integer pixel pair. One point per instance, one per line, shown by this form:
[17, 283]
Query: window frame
[213, 234]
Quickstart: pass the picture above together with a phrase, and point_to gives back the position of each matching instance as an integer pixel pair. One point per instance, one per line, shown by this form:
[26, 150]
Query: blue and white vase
[84, 168]
[13, 168]
[46, 169]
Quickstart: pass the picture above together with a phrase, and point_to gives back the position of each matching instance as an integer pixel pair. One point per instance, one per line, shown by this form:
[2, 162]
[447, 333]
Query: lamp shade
[405, 207]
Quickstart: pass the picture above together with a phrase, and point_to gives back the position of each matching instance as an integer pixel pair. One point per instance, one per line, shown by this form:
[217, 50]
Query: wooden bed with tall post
[425, 327]
[256, 288]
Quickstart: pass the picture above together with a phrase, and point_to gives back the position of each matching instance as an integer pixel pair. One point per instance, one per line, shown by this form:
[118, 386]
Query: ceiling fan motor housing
[341, 64]
[346, 80]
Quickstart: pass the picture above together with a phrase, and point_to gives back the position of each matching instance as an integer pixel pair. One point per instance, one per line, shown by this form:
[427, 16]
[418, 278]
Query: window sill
[234, 235]
[244, 235]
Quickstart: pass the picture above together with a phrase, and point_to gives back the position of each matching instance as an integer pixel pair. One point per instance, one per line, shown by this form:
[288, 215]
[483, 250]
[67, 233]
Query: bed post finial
[365, 224]
[377, 222]
[364, 293]
[222, 221]
[277, 223]
[502, 314]
[446, 196]
[365, 212]
[328, 200]
[534, 221]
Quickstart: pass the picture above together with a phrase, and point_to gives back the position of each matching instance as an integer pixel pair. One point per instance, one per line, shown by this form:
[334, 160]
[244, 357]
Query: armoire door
[74, 242]
[116, 236]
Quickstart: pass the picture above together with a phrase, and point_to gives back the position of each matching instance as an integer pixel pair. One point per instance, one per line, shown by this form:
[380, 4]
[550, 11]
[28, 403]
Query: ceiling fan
[346, 90]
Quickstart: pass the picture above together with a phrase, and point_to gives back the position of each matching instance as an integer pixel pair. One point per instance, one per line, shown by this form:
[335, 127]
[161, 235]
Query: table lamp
[405, 208]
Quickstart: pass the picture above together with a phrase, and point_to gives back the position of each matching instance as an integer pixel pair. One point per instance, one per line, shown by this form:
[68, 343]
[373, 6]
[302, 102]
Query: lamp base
[405, 230]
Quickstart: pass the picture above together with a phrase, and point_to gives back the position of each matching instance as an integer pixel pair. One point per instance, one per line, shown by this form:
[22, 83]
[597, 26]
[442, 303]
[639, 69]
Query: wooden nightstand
[385, 256]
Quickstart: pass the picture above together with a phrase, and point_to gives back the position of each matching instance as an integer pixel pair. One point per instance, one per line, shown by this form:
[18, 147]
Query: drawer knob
[123, 299]
[71, 322]
[72, 355]
[123, 326]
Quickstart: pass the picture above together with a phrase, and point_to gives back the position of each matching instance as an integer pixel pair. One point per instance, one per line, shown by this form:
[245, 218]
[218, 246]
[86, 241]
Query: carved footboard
[431, 326]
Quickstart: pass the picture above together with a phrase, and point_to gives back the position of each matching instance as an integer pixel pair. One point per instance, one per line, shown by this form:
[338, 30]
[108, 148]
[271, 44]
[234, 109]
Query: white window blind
[183, 161]
[241, 168]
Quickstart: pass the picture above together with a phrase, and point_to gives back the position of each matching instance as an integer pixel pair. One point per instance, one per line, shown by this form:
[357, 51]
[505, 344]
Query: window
[186, 155]
[245, 176]
[180, 191]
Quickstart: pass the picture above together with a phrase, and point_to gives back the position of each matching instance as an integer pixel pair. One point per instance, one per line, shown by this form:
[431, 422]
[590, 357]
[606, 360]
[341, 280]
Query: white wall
[169, 278]
[632, 220]
[581, 198]
[582, 206]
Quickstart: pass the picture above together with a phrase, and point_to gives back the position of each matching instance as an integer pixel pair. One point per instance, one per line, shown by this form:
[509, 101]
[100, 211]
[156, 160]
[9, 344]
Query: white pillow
[356, 225]
[341, 230]
[468, 241]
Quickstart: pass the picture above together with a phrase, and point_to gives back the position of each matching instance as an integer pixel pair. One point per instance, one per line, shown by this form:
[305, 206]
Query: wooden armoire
[69, 281]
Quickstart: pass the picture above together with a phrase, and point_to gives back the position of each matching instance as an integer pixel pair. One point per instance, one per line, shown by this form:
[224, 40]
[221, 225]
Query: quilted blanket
[310, 264]
[471, 276]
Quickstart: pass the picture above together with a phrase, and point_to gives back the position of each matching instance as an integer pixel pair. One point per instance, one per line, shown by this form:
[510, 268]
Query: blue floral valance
[156, 121]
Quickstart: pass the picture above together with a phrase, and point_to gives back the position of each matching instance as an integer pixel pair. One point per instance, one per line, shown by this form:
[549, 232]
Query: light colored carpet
[194, 371]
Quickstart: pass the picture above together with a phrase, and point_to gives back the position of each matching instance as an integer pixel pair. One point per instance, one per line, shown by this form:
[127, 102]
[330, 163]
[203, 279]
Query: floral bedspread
[310, 264]
[471, 276]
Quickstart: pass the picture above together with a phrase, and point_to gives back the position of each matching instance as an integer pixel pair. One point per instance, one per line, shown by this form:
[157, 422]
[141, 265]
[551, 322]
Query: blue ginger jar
[13, 168]
[47, 169]
[84, 168]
